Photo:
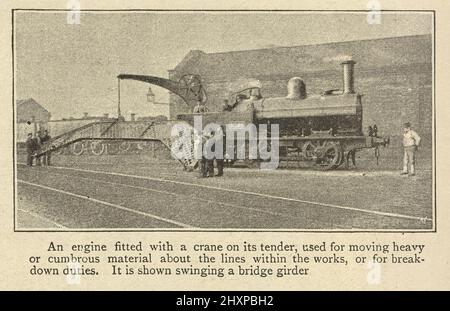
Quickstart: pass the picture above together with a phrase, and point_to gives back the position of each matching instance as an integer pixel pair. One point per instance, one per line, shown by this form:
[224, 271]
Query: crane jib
[189, 87]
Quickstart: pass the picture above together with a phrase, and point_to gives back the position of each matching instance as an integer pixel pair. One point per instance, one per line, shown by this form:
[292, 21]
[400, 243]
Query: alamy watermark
[374, 14]
[72, 277]
[374, 274]
[74, 14]
[229, 142]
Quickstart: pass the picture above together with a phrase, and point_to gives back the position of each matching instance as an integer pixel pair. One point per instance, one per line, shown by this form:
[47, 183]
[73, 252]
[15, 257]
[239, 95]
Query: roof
[30, 101]
[373, 53]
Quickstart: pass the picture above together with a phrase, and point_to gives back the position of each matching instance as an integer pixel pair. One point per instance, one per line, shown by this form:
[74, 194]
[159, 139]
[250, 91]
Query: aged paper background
[16, 248]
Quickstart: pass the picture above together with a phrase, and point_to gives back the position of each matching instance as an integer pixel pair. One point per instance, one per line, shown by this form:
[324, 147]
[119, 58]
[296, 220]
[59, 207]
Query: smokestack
[106, 115]
[133, 117]
[348, 76]
[85, 115]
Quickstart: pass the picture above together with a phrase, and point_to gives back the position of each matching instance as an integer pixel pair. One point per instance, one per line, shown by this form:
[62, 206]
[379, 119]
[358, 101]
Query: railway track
[174, 202]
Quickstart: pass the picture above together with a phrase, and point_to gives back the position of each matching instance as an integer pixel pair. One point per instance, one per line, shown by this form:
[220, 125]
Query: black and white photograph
[224, 120]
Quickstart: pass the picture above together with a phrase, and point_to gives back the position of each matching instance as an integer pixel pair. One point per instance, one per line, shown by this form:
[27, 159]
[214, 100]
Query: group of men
[207, 167]
[34, 147]
[207, 163]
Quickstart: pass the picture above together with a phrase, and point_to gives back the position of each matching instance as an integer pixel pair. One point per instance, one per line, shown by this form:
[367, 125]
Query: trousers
[206, 168]
[409, 159]
[29, 158]
[220, 163]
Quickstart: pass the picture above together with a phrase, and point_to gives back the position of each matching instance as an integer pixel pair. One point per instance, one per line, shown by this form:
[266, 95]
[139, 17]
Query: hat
[407, 125]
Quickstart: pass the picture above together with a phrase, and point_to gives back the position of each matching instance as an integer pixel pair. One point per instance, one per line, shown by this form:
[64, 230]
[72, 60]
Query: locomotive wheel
[78, 148]
[331, 158]
[309, 150]
[97, 148]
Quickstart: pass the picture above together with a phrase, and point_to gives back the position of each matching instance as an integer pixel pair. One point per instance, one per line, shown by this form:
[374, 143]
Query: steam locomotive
[325, 130]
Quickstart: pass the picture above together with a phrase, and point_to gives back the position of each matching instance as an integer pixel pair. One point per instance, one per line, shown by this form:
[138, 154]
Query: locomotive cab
[243, 100]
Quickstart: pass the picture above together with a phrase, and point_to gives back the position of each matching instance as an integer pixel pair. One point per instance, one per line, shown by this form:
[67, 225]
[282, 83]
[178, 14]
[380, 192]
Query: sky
[71, 68]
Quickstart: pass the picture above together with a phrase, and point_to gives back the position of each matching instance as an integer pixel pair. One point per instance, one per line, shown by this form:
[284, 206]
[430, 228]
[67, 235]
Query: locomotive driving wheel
[309, 151]
[330, 158]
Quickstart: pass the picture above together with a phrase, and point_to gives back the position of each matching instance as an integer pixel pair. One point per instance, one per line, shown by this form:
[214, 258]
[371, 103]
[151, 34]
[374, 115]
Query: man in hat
[30, 149]
[199, 140]
[37, 147]
[45, 140]
[207, 164]
[411, 142]
[220, 161]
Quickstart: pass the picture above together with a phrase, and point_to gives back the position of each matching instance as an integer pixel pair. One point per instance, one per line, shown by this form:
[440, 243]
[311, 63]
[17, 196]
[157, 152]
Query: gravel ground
[141, 192]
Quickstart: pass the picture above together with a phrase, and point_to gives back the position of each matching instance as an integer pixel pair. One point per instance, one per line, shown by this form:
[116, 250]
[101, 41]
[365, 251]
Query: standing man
[37, 145]
[217, 140]
[30, 149]
[200, 108]
[220, 162]
[209, 163]
[45, 139]
[202, 139]
[411, 142]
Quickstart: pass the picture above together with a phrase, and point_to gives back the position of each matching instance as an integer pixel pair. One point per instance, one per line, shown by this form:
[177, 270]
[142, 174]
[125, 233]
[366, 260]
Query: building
[393, 74]
[30, 117]
[28, 110]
